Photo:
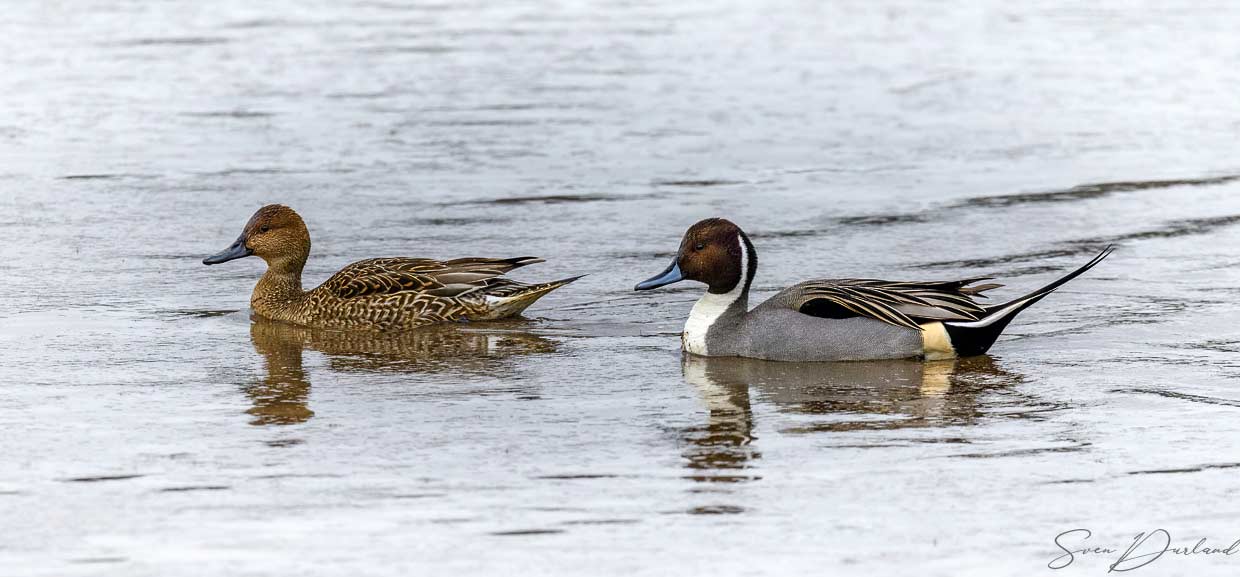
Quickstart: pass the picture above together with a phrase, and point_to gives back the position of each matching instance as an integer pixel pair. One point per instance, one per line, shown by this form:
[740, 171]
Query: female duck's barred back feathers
[438, 278]
[897, 303]
[387, 293]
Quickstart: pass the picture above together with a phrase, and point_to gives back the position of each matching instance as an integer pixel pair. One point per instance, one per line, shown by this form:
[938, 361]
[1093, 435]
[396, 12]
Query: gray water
[150, 427]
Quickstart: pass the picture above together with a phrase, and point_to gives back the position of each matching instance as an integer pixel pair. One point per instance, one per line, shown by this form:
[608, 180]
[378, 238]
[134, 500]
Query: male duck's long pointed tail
[975, 337]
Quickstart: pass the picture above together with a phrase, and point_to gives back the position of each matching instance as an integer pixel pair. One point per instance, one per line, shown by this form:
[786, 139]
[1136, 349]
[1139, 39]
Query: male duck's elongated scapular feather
[899, 303]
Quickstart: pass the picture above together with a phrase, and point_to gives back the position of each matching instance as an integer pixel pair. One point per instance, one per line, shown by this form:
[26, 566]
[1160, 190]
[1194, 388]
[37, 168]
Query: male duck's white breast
[710, 307]
[705, 312]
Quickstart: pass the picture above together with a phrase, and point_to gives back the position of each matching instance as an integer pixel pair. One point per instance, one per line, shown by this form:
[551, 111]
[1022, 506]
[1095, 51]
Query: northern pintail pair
[817, 320]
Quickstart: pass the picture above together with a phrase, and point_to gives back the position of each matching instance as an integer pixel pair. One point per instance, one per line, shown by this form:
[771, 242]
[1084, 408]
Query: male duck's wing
[902, 304]
[437, 278]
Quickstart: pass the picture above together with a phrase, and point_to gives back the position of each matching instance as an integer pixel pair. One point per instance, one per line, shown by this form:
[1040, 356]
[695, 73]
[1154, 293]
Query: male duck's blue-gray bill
[669, 276]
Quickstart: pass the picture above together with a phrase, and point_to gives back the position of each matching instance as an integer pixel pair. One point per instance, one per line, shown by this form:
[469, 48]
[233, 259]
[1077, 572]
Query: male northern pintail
[377, 293]
[831, 320]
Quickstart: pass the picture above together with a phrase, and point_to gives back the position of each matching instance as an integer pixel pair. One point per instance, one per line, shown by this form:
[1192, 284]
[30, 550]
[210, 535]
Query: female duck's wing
[437, 278]
[902, 304]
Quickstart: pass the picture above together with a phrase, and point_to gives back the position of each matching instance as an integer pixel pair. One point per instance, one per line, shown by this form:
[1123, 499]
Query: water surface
[153, 428]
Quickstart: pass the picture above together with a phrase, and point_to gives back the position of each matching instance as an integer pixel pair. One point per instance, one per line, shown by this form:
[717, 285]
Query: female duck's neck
[279, 288]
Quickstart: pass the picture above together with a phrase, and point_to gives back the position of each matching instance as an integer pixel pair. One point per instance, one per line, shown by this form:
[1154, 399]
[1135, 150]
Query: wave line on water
[1182, 396]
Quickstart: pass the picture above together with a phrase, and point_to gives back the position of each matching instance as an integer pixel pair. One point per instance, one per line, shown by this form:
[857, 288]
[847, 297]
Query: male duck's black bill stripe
[669, 276]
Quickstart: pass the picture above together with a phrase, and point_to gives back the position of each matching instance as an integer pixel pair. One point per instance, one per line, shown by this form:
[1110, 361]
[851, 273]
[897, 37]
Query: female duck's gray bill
[669, 276]
[236, 251]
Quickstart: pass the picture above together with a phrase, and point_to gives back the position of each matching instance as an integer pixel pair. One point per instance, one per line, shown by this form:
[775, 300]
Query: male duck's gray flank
[831, 320]
[378, 293]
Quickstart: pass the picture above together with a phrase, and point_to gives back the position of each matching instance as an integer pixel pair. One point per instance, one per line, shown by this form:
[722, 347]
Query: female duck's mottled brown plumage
[378, 293]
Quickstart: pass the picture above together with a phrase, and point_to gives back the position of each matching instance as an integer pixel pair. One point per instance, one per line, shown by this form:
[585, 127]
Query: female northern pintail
[378, 293]
[830, 320]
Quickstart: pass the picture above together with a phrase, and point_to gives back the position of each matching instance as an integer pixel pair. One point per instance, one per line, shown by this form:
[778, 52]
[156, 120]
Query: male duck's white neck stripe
[711, 306]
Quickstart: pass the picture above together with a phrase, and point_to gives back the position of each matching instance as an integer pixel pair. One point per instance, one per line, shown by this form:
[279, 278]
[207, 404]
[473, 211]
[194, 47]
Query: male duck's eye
[264, 228]
[699, 246]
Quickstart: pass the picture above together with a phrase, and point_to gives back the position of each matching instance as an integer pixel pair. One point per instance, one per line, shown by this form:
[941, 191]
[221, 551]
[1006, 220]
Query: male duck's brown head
[714, 251]
[276, 234]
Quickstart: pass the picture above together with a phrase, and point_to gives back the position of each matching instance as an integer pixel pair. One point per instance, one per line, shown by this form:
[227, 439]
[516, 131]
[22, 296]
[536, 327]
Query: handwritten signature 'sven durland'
[1145, 549]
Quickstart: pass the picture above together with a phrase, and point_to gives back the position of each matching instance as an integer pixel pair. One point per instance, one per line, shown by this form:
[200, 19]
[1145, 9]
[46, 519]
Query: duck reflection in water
[851, 396]
[282, 396]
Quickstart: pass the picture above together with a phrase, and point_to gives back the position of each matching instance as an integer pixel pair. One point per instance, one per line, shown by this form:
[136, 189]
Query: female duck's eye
[264, 228]
[699, 246]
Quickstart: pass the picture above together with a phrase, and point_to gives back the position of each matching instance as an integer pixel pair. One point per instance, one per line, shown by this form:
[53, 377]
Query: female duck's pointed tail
[975, 337]
[518, 297]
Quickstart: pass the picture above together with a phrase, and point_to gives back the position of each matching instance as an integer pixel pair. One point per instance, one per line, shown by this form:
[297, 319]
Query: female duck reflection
[871, 395]
[281, 398]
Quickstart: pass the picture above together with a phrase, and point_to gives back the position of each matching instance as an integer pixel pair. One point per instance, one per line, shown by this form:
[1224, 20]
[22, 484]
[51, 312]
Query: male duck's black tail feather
[975, 337]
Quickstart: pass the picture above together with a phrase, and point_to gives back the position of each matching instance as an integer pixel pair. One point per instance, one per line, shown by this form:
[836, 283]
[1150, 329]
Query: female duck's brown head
[276, 234]
[714, 251]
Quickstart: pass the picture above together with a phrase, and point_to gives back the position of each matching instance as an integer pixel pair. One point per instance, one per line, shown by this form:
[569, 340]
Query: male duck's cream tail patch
[935, 343]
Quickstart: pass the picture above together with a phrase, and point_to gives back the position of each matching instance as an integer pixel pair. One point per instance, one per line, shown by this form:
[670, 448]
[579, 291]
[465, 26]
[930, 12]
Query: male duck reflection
[830, 320]
[377, 293]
